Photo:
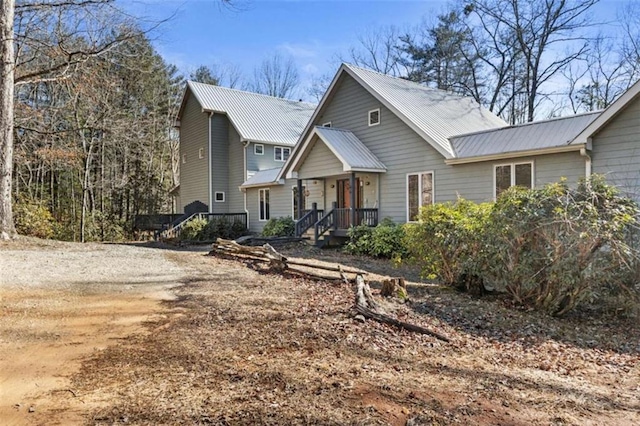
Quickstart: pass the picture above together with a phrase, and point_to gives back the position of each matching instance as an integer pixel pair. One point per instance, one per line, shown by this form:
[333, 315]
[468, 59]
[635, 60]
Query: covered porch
[338, 181]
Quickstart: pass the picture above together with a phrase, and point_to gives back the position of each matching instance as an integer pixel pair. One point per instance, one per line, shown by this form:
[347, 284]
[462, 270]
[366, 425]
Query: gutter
[507, 155]
[587, 163]
[210, 174]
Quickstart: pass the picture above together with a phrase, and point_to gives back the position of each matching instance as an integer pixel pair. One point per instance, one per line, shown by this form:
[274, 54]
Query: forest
[95, 103]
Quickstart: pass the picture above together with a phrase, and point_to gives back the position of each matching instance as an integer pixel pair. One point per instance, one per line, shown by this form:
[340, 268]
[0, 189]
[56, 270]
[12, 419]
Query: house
[226, 137]
[378, 146]
[402, 145]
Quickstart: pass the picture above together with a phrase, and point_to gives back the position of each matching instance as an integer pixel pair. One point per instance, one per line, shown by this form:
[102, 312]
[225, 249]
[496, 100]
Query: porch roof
[263, 178]
[348, 149]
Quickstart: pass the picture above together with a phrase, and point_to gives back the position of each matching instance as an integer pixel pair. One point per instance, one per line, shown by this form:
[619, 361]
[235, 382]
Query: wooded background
[95, 103]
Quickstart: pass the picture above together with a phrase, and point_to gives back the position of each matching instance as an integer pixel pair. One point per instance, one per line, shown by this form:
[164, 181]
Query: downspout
[584, 153]
[245, 144]
[210, 166]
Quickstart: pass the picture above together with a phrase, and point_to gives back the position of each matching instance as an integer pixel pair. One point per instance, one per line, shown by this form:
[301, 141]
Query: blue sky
[312, 32]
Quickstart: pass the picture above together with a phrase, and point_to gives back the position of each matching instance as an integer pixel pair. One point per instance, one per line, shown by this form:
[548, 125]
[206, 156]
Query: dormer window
[374, 117]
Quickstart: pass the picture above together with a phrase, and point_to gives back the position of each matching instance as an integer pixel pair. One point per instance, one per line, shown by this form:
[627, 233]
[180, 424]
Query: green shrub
[194, 230]
[386, 240]
[33, 218]
[280, 227]
[446, 240]
[201, 229]
[555, 247]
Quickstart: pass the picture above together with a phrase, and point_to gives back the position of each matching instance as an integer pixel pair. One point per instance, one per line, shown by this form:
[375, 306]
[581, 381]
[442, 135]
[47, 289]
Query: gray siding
[220, 160]
[194, 174]
[265, 161]
[616, 150]
[320, 162]
[237, 175]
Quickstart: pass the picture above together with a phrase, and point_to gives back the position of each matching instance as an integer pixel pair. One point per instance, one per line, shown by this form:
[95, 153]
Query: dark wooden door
[344, 201]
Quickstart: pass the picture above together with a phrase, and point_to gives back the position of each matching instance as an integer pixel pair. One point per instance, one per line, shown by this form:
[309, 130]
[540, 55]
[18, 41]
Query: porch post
[352, 210]
[300, 206]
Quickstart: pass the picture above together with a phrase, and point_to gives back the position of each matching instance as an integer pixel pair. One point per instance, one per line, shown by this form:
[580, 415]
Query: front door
[343, 198]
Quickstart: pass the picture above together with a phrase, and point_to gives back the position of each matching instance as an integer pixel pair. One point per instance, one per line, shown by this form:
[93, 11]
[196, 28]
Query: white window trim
[369, 117]
[513, 174]
[215, 197]
[255, 149]
[294, 191]
[184, 158]
[406, 190]
[282, 148]
[201, 153]
[327, 124]
[260, 219]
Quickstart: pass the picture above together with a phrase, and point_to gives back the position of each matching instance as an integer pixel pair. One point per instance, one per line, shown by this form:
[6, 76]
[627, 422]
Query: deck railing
[308, 220]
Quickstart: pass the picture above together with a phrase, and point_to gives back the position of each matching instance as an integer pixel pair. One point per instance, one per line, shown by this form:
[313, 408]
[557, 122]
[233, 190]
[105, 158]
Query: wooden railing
[308, 220]
[325, 223]
[175, 231]
[344, 218]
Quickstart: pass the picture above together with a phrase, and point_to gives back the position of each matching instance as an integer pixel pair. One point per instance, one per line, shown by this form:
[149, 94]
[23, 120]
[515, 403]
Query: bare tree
[377, 49]
[319, 85]
[276, 76]
[7, 61]
[227, 75]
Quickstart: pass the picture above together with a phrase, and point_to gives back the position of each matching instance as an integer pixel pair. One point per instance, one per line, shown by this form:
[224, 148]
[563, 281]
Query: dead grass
[241, 347]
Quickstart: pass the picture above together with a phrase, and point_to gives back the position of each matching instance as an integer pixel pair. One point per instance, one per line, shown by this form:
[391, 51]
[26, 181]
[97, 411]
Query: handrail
[324, 224]
[307, 221]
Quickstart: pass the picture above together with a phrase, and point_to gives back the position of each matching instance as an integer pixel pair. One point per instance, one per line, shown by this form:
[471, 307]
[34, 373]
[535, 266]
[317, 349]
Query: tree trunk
[7, 63]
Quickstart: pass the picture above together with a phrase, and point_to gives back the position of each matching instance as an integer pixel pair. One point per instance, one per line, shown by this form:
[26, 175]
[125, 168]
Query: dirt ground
[113, 339]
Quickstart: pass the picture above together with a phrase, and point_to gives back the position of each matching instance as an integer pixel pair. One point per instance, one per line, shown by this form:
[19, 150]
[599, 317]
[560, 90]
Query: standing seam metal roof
[353, 154]
[263, 177]
[552, 133]
[256, 117]
[436, 113]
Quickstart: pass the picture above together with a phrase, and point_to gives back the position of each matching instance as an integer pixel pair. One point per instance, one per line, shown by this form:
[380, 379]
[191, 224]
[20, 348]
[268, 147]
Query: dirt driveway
[122, 344]
[60, 303]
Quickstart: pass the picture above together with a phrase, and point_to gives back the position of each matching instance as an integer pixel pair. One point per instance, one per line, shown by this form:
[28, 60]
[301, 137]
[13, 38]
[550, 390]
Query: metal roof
[434, 114]
[256, 117]
[263, 178]
[557, 132]
[353, 154]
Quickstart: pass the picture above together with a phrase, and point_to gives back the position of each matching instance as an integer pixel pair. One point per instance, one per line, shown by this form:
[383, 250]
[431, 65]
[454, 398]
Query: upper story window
[513, 174]
[374, 117]
[258, 149]
[327, 124]
[184, 158]
[281, 153]
[201, 153]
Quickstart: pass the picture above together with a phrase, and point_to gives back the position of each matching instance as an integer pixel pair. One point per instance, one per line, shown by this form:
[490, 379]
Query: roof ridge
[251, 93]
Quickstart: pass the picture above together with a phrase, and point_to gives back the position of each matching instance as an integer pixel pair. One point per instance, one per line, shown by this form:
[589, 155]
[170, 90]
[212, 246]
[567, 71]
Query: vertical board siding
[320, 162]
[237, 175]
[616, 149]
[194, 174]
[220, 159]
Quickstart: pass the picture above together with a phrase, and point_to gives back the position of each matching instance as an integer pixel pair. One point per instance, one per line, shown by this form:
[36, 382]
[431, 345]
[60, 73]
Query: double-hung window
[513, 174]
[419, 193]
[263, 205]
[281, 153]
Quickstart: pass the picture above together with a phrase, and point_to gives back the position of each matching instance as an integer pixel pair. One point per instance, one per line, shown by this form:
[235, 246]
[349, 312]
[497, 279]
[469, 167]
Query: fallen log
[367, 307]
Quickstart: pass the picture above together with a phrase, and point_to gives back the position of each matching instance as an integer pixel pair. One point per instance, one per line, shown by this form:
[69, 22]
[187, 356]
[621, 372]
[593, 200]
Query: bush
[200, 229]
[33, 218]
[446, 241]
[194, 230]
[280, 227]
[384, 240]
[556, 247]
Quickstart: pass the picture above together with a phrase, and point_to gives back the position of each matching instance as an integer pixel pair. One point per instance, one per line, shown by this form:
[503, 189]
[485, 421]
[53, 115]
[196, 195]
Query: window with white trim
[263, 205]
[294, 202]
[327, 124]
[219, 197]
[419, 193]
[184, 158]
[201, 153]
[512, 174]
[258, 149]
[374, 117]
[281, 153]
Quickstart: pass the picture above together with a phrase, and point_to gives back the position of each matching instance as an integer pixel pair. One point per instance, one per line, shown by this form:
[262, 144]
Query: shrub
[555, 247]
[34, 219]
[194, 229]
[201, 229]
[446, 241]
[386, 240]
[280, 227]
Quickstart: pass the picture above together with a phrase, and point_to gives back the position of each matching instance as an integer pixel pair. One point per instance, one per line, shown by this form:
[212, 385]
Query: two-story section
[226, 137]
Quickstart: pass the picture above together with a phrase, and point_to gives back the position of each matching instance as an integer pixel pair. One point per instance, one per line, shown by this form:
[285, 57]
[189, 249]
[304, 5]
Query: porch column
[352, 201]
[300, 206]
